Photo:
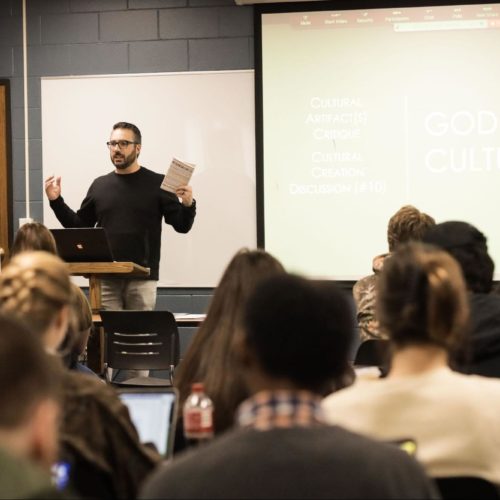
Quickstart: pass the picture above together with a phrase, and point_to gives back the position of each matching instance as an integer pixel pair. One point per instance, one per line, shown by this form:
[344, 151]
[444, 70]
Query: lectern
[95, 271]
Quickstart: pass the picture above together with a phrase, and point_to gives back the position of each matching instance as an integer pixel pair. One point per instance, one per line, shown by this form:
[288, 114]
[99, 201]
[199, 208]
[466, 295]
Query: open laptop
[83, 244]
[153, 411]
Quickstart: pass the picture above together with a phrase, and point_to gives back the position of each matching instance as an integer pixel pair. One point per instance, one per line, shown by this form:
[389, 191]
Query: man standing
[130, 205]
[294, 346]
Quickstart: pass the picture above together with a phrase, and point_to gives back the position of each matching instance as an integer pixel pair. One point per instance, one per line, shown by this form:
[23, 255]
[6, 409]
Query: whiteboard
[205, 118]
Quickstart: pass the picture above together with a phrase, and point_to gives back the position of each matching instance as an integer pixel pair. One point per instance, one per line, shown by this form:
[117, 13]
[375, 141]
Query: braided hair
[34, 287]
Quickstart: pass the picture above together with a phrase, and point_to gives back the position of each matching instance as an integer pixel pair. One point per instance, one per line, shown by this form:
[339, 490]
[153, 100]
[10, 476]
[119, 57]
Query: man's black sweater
[131, 208]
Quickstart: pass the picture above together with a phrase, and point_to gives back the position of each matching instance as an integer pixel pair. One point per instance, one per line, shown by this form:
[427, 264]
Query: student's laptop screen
[153, 412]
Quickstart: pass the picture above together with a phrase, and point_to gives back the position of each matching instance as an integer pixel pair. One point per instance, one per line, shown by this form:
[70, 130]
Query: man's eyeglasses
[120, 144]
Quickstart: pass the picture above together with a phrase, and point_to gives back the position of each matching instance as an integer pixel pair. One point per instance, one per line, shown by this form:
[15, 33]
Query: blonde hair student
[35, 287]
[96, 435]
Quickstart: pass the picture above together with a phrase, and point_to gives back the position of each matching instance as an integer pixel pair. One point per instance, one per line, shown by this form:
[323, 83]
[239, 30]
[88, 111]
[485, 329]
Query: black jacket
[481, 352]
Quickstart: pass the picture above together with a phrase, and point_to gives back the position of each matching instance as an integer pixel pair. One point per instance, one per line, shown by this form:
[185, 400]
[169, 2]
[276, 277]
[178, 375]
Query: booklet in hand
[178, 174]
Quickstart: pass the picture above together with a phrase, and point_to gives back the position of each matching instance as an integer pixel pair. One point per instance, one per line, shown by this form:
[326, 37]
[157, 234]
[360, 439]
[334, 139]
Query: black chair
[141, 340]
[373, 352]
[466, 488]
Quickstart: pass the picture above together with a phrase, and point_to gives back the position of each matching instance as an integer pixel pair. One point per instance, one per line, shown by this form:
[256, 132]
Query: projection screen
[362, 111]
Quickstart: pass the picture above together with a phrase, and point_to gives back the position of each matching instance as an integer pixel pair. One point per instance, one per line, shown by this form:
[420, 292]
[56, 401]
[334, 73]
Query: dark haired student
[129, 203]
[294, 345]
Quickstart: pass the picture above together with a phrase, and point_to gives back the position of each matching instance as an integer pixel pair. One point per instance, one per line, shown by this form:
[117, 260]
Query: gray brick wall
[77, 37]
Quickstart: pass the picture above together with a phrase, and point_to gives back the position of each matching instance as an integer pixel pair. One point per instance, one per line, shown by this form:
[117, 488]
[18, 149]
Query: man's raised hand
[53, 187]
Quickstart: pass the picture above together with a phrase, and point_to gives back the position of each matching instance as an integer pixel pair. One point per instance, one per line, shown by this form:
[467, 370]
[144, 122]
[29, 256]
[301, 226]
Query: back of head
[468, 246]
[33, 236]
[34, 287]
[79, 329]
[300, 330]
[81, 309]
[212, 352]
[422, 298]
[407, 224]
[27, 375]
[244, 271]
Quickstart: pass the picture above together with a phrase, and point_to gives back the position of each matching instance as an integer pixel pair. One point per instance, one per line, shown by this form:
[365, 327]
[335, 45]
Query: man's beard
[123, 161]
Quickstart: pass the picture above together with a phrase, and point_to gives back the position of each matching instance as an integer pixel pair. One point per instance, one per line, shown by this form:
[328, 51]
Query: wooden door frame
[6, 208]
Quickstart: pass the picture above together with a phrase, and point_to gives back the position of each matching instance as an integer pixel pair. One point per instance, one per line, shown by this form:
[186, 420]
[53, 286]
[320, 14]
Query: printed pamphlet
[178, 174]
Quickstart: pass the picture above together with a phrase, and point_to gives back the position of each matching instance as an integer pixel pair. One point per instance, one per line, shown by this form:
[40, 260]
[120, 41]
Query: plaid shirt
[268, 410]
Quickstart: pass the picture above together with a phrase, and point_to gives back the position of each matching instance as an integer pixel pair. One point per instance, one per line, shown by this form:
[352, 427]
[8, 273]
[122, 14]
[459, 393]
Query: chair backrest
[466, 487]
[140, 340]
[372, 352]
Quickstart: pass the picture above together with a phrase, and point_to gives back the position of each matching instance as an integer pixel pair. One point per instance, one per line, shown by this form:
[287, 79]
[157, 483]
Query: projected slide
[366, 111]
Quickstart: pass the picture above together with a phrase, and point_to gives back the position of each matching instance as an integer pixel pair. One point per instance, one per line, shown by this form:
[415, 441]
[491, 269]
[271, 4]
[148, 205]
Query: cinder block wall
[83, 37]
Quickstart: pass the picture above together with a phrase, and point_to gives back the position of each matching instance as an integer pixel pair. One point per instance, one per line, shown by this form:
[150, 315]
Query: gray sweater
[314, 462]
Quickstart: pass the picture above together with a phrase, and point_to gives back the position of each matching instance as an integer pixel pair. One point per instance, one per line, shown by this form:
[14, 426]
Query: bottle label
[198, 423]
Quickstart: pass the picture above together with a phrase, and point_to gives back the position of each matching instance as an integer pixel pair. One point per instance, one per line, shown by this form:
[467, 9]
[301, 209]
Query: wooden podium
[95, 271]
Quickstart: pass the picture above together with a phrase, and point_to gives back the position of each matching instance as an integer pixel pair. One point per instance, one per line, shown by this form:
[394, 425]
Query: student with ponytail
[452, 418]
